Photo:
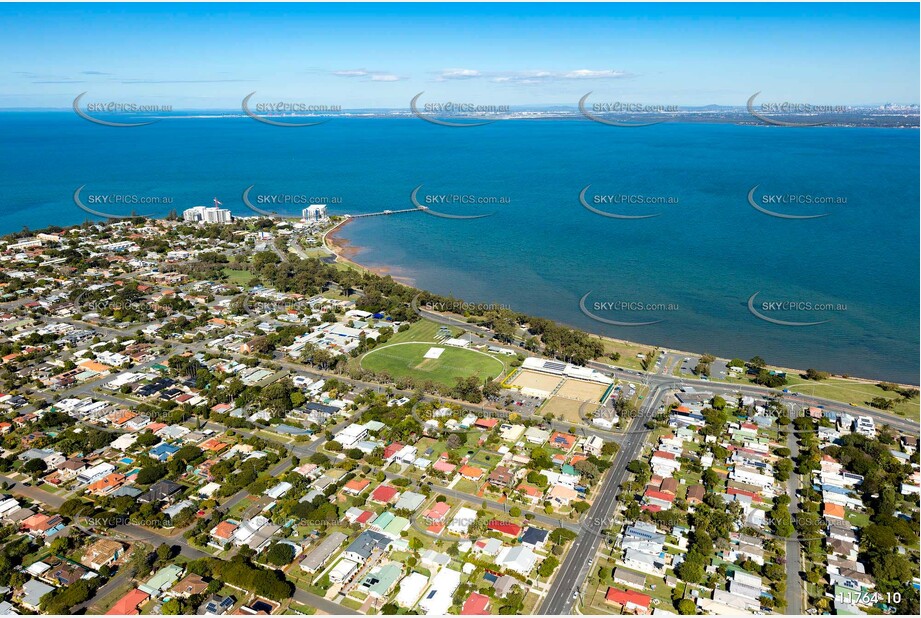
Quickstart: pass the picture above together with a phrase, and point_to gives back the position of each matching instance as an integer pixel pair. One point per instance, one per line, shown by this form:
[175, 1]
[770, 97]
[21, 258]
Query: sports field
[408, 359]
[537, 381]
[582, 390]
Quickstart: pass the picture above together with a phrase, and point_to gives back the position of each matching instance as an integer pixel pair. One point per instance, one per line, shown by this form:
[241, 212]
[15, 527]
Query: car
[575, 594]
[590, 560]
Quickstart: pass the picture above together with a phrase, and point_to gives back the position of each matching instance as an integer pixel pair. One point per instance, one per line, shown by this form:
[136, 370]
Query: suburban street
[575, 567]
[795, 583]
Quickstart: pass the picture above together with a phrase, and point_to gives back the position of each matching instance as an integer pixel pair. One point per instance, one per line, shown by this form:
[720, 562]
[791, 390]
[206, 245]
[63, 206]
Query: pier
[385, 212]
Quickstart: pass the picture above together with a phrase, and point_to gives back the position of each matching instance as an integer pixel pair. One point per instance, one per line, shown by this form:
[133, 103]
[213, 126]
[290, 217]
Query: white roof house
[439, 598]
[343, 570]
[520, 559]
[463, 519]
[411, 588]
[279, 490]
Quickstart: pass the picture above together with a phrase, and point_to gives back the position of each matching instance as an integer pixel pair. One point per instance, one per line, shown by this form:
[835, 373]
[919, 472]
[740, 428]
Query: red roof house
[634, 602]
[475, 605]
[505, 527]
[385, 494]
[128, 605]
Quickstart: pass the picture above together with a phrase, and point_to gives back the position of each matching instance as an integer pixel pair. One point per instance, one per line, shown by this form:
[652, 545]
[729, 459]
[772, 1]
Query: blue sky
[211, 55]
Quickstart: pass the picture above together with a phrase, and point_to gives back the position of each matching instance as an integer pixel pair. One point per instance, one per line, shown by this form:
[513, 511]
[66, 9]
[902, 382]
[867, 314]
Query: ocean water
[541, 251]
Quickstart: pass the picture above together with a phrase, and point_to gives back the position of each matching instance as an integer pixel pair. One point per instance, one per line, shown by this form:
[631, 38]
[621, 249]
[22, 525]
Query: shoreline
[345, 251]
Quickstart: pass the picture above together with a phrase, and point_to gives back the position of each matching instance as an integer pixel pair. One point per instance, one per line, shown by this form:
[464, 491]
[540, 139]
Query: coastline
[345, 252]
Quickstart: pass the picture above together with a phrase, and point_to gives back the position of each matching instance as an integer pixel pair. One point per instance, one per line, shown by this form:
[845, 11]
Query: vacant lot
[408, 360]
[567, 409]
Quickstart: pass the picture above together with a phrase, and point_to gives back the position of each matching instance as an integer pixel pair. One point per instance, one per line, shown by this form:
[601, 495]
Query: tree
[171, 608]
[561, 536]
[548, 566]
[515, 511]
[687, 607]
[279, 554]
[151, 474]
[35, 466]
[815, 374]
[692, 569]
[147, 439]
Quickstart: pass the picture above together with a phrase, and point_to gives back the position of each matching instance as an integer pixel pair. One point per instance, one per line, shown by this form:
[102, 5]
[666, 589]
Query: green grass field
[407, 360]
[238, 277]
[422, 330]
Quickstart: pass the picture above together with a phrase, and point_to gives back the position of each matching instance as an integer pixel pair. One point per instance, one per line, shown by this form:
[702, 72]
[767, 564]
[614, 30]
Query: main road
[575, 567]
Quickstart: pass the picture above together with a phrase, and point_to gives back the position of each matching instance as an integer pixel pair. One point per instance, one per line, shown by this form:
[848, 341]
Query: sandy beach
[345, 251]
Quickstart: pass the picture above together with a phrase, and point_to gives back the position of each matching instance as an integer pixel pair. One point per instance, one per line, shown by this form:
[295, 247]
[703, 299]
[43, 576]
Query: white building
[865, 426]
[343, 570]
[519, 559]
[411, 588]
[207, 214]
[351, 435]
[752, 476]
[439, 598]
[315, 212]
[91, 475]
[463, 519]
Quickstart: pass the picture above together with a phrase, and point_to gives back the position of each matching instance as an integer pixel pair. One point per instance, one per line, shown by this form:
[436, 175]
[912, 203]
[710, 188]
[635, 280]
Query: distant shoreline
[862, 118]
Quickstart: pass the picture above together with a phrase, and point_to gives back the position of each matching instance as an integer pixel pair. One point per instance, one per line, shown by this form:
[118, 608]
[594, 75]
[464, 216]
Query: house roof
[534, 535]
[561, 440]
[505, 527]
[438, 511]
[384, 493]
[224, 530]
[471, 471]
[357, 485]
[475, 605]
[128, 604]
[622, 597]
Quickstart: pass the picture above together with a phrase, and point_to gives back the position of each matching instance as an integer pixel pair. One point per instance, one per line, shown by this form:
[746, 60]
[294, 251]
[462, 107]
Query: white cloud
[531, 77]
[351, 73]
[459, 74]
[374, 76]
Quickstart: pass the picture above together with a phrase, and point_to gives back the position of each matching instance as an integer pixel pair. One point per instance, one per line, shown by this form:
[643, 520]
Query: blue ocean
[691, 269]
